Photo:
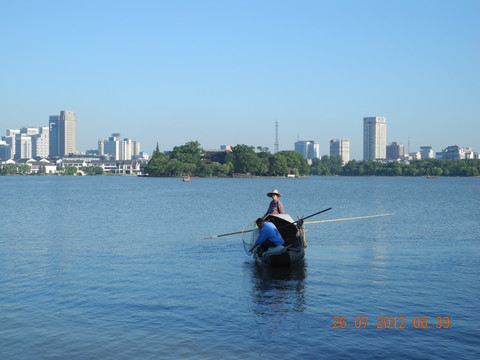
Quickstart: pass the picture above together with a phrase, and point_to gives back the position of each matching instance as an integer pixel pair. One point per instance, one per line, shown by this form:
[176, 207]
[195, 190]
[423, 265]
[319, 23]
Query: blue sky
[222, 72]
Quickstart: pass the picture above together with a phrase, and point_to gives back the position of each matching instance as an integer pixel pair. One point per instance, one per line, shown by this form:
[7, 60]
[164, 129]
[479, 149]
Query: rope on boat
[353, 218]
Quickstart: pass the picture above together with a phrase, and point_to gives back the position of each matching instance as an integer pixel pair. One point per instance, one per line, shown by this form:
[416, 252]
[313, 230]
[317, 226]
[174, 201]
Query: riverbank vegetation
[244, 160]
[430, 167]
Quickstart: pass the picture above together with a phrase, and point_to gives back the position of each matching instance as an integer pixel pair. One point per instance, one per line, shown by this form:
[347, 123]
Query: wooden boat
[293, 235]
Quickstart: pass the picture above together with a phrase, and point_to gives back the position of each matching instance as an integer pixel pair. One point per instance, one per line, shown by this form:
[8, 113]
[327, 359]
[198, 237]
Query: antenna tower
[276, 136]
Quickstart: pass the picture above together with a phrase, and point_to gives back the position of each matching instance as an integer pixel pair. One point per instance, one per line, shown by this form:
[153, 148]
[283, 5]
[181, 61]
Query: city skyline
[375, 145]
[225, 74]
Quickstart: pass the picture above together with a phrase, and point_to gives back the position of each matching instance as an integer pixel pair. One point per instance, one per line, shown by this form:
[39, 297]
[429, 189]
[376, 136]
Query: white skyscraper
[67, 131]
[23, 146]
[374, 138]
[308, 149]
[426, 152]
[40, 142]
[120, 149]
[63, 133]
[9, 138]
[340, 147]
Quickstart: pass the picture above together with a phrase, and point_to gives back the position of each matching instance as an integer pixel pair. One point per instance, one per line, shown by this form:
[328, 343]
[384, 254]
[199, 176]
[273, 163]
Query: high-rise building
[24, 143]
[340, 147]
[9, 138]
[53, 149]
[395, 151]
[374, 138]
[453, 152]
[23, 146]
[63, 133]
[426, 152]
[40, 142]
[124, 149]
[5, 151]
[308, 149]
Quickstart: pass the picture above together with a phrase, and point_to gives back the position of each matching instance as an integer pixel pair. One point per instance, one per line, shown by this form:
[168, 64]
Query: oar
[309, 216]
[234, 233]
[344, 219]
[241, 232]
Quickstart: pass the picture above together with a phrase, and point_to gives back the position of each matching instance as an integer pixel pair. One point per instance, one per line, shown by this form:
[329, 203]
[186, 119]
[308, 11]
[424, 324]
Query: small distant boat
[293, 235]
[430, 177]
[187, 178]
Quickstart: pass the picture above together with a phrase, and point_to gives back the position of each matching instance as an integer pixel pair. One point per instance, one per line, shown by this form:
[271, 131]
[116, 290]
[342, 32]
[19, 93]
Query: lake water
[118, 268]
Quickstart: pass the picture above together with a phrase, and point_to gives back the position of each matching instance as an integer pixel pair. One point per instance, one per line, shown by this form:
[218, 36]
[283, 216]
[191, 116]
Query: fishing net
[249, 236]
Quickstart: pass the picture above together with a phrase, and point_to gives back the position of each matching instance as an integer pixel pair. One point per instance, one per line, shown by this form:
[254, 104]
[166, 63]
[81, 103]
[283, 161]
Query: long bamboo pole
[344, 219]
[244, 231]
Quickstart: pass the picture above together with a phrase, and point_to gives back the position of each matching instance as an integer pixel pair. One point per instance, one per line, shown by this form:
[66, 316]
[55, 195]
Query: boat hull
[286, 258]
[293, 235]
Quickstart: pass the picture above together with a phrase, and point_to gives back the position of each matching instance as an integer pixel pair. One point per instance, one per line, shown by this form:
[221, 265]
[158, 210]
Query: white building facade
[125, 149]
[63, 133]
[40, 143]
[308, 149]
[340, 147]
[427, 152]
[374, 138]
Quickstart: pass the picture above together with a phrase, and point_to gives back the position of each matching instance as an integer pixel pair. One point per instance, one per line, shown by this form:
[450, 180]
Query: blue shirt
[269, 232]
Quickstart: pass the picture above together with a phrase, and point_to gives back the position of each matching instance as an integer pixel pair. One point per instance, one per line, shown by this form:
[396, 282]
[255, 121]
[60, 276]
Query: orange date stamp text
[391, 322]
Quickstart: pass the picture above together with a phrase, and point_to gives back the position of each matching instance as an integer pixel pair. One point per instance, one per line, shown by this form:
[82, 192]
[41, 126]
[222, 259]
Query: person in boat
[269, 237]
[276, 206]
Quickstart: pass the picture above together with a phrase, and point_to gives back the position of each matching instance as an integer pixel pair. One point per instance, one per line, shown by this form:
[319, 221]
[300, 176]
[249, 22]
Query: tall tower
[340, 147]
[63, 133]
[374, 138]
[276, 137]
[53, 135]
[67, 133]
[308, 149]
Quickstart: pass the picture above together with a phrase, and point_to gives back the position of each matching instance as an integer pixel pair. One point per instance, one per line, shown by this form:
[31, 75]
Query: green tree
[245, 160]
[190, 153]
[157, 166]
[24, 169]
[9, 169]
[70, 170]
[278, 165]
[350, 168]
[92, 170]
[296, 162]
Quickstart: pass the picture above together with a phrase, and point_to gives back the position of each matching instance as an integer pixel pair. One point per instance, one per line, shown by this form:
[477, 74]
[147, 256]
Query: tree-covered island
[189, 159]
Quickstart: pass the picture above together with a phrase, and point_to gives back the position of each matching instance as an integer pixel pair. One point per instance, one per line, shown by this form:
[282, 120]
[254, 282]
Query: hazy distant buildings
[374, 138]
[308, 149]
[453, 153]
[25, 143]
[426, 152]
[63, 134]
[395, 151]
[53, 135]
[5, 151]
[469, 153]
[340, 147]
[125, 149]
[40, 143]
[9, 139]
[23, 146]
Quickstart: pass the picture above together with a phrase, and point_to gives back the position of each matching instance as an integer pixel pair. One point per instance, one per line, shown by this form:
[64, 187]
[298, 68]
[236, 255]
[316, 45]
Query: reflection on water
[278, 290]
